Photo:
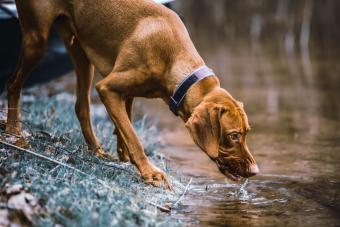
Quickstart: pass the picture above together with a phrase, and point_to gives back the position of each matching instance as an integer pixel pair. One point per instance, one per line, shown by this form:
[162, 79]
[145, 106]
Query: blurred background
[281, 59]
[282, 47]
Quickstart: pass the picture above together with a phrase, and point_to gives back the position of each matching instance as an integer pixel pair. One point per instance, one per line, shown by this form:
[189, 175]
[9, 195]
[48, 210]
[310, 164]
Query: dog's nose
[253, 170]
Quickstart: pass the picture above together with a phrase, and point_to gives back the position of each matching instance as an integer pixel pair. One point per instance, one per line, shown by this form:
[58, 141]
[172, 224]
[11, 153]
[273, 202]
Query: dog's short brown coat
[142, 49]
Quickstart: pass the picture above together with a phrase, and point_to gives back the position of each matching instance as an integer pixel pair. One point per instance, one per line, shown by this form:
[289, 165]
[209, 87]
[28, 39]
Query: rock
[4, 217]
[24, 202]
[13, 189]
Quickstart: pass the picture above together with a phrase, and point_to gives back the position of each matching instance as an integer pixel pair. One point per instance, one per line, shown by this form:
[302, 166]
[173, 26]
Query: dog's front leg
[113, 91]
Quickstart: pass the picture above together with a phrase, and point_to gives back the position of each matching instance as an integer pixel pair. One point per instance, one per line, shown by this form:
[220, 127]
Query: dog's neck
[196, 95]
[197, 91]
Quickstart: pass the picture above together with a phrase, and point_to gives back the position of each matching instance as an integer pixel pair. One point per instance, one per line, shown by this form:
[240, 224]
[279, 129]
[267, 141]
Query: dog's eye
[234, 136]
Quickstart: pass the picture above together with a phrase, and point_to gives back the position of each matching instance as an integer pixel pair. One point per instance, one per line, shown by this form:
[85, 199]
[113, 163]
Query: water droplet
[242, 192]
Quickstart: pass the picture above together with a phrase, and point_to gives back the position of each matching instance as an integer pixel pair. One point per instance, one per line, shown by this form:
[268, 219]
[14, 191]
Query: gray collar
[178, 96]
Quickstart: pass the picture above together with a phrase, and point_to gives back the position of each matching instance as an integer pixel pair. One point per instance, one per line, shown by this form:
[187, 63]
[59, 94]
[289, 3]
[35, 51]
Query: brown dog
[142, 49]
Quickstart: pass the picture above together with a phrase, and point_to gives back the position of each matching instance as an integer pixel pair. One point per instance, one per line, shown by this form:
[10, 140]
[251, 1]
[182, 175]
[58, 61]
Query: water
[266, 200]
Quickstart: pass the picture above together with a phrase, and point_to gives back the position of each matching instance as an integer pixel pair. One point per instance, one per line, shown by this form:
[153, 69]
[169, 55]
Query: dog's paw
[156, 177]
[103, 154]
[11, 127]
[17, 140]
[22, 142]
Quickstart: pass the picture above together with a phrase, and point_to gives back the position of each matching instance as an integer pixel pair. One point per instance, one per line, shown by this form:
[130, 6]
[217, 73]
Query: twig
[185, 190]
[43, 157]
[162, 208]
[54, 161]
[166, 209]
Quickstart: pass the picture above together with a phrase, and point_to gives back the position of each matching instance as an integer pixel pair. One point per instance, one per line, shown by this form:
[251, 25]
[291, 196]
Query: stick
[54, 161]
[43, 157]
[185, 190]
[159, 206]
[79, 171]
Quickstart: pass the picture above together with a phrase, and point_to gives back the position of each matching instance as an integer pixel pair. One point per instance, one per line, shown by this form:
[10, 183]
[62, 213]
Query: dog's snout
[253, 170]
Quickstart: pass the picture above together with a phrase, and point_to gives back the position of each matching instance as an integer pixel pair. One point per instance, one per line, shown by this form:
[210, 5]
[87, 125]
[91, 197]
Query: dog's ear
[204, 127]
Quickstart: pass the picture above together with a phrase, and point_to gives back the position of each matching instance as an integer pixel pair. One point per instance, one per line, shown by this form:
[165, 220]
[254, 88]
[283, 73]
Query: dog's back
[103, 26]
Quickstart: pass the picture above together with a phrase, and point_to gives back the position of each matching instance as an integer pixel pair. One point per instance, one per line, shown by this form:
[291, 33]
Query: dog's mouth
[230, 174]
[227, 170]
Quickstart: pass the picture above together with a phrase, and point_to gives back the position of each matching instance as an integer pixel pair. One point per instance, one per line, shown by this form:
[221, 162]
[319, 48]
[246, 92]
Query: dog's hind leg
[122, 149]
[35, 26]
[85, 72]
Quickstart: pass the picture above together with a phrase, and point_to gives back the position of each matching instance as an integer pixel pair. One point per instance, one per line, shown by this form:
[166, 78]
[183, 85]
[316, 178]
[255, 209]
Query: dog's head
[219, 126]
